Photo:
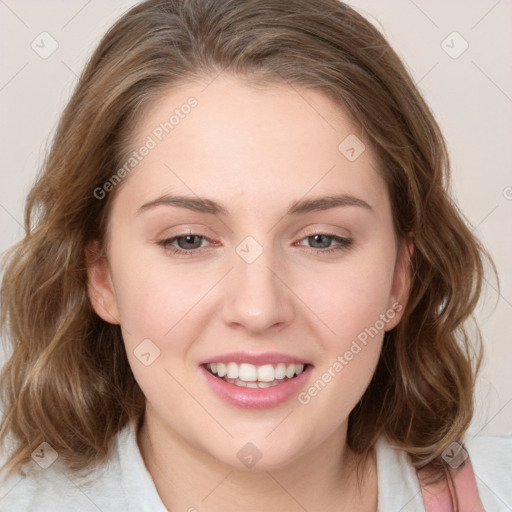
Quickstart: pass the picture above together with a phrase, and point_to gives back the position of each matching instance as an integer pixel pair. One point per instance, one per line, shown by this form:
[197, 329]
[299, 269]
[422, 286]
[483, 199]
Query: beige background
[471, 96]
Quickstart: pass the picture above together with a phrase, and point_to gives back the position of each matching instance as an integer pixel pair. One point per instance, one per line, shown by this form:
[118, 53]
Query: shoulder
[121, 484]
[491, 458]
[45, 485]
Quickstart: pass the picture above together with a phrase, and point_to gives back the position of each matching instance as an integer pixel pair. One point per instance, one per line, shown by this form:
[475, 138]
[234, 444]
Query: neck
[188, 478]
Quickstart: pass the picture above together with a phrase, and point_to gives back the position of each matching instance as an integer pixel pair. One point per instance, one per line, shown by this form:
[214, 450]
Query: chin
[258, 455]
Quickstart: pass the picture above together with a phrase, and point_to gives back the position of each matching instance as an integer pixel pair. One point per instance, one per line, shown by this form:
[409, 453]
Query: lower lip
[256, 398]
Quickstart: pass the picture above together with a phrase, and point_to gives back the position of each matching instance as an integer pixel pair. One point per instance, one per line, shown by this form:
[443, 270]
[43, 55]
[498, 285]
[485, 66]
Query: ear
[99, 283]
[401, 282]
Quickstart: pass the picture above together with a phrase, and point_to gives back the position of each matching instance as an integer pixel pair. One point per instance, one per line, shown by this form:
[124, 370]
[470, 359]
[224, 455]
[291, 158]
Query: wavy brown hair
[68, 381]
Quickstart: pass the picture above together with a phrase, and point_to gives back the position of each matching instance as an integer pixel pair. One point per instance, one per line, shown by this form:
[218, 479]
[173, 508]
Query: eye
[185, 244]
[325, 241]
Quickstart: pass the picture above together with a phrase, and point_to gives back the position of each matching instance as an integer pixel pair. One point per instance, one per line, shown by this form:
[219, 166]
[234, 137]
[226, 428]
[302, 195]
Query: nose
[257, 297]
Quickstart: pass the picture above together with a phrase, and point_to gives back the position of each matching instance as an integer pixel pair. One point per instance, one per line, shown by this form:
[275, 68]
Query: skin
[255, 150]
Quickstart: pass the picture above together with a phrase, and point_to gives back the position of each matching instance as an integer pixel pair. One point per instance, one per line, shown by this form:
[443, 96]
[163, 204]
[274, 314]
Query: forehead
[227, 139]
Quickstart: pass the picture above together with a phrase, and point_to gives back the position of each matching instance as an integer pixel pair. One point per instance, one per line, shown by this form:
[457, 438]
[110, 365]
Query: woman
[246, 284]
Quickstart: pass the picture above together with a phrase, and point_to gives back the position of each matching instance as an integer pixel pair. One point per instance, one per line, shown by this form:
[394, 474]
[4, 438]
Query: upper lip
[255, 359]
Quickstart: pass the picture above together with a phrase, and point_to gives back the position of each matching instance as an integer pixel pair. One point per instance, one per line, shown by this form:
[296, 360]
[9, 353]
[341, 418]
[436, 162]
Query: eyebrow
[204, 205]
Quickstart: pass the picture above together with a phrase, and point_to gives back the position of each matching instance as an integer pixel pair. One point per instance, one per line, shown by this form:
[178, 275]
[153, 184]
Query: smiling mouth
[247, 375]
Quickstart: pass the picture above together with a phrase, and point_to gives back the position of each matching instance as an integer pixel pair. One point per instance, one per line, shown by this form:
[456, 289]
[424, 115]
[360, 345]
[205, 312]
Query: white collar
[398, 485]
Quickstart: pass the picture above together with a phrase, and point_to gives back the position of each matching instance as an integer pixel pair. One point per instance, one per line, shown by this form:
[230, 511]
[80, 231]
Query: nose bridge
[256, 296]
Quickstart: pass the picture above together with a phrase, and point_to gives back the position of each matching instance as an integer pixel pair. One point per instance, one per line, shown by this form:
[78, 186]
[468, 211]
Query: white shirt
[124, 484]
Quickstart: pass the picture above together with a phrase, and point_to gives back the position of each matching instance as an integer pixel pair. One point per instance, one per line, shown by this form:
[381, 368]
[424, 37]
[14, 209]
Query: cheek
[155, 303]
[143, 308]
[353, 294]
[354, 304]
[151, 292]
[152, 297]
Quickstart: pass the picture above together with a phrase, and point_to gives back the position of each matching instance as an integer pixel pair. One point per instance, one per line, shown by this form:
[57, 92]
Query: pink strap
[457, 492]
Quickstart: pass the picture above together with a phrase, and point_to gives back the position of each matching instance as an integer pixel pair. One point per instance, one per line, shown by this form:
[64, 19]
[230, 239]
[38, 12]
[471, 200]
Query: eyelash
[343, 244]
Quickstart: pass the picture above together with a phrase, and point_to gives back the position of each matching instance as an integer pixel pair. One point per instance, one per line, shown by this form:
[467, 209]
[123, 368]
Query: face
[247, 240]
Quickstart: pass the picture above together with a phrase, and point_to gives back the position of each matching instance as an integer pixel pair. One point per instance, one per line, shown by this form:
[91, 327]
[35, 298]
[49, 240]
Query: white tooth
[264, 384]
[242, 384]
[247, 372]
[266, 373]
[232, 370]
[213, 367]
[299, 368]
[290, 371]
[221, 369]
[280, 372]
